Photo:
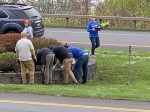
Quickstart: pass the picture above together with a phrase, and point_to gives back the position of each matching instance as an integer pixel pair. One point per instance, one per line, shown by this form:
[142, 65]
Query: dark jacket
[41, 56]
[61, 53]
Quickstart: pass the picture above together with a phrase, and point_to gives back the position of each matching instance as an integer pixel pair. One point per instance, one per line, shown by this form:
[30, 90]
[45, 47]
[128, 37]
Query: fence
[99, 18]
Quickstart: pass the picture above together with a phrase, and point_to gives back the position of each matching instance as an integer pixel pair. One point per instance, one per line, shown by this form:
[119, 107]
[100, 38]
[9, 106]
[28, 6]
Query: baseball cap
[25, 21]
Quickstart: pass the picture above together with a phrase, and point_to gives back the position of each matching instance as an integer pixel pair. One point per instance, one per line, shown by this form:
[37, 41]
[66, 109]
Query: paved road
[10, 102]
[109, 38]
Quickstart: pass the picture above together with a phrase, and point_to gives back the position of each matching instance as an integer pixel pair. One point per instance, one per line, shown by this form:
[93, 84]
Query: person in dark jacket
[45, 56]
[64, 57]
[82, 59]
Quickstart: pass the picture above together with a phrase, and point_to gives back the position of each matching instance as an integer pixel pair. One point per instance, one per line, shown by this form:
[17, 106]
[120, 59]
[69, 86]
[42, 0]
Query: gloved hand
[54, 67]
[73, 61]
[61, 66]
[35, 59]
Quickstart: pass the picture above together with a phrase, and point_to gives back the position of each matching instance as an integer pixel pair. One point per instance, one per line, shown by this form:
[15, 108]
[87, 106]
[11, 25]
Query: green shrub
[2, 49]
[39, 43]
[8, 62]
[8, 41]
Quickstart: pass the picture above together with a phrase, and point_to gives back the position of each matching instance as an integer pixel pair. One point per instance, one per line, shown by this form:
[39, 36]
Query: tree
[126, 8]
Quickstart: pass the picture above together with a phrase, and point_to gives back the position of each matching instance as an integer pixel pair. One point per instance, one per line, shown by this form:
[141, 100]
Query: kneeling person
[45, 56]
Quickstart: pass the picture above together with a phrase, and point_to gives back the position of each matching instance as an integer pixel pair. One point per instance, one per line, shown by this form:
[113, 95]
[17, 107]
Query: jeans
[27, 65]
[81, 62]
[48, 68]
[95, 43]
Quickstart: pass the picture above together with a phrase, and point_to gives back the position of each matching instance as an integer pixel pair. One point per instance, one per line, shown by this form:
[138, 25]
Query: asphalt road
[10, 102]
[110, 39]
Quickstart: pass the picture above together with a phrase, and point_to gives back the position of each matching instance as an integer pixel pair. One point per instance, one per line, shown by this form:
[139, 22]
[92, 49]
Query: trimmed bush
[8, 42]
[8, 62]
[39, 43]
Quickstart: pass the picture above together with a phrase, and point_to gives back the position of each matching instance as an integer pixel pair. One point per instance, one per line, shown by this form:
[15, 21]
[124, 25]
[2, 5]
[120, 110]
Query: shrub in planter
[39, 43]
[8, 41]
[8, 62]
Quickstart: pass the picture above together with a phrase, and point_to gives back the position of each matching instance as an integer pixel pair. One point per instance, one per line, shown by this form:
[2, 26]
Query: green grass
[109, 82]
[61, 22]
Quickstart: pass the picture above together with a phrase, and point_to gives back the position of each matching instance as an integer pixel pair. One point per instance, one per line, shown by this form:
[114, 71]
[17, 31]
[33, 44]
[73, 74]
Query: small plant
[8, 62]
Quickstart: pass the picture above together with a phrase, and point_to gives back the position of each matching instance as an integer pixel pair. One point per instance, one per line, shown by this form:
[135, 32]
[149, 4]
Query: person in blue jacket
[82, 60]
[93, 34]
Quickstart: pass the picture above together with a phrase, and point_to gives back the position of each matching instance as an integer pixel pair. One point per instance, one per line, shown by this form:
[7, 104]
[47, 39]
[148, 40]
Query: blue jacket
[77, 52]
[92, 34]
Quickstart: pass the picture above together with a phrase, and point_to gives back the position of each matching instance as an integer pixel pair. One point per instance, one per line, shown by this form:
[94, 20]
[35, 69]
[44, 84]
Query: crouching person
[82, 59]
[64, 57]
[45, 56]
[24, 52]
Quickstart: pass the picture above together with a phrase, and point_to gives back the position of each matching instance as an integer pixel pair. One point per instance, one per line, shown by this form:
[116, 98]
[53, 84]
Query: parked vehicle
[11, 16]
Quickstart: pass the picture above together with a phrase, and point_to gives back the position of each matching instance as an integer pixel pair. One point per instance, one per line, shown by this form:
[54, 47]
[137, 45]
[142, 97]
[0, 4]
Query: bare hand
[93, 29]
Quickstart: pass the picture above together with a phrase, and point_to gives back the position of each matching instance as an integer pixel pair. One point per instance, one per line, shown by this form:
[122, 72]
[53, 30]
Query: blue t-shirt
[76, 52]
[89, 29]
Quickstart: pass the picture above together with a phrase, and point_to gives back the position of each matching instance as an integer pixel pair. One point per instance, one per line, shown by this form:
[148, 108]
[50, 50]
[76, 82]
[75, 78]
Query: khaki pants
[48, 68]
[67, 70]
[27, 65]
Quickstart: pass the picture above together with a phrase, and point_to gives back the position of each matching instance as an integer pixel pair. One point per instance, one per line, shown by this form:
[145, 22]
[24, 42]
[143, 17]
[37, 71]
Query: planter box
[15, 78]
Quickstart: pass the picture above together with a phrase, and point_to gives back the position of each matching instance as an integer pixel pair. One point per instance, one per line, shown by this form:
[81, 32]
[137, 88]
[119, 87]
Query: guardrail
[100, 18]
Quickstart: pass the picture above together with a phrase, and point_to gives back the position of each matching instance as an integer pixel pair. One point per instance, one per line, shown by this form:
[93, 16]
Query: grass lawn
[109, 81]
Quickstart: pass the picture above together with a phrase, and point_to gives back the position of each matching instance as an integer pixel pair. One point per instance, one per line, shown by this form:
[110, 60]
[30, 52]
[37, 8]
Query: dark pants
[81, 62]
[95, 43]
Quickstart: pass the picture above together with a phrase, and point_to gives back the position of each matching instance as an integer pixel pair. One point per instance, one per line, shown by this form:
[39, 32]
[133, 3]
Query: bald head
[23, 34]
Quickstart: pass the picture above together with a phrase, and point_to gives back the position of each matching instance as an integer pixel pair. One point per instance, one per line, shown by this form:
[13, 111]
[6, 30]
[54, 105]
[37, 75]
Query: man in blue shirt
[93, 34]
[45, 56]
[82, 59]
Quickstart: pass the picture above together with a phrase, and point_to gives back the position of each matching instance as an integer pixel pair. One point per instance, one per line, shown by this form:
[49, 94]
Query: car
[12, 15]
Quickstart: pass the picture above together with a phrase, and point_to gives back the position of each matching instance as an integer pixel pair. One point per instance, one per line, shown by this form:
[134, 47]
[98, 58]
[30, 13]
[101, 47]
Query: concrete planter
[15, 78]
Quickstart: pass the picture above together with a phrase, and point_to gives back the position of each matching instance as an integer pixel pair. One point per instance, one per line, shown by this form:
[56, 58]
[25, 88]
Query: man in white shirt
[24, 52]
